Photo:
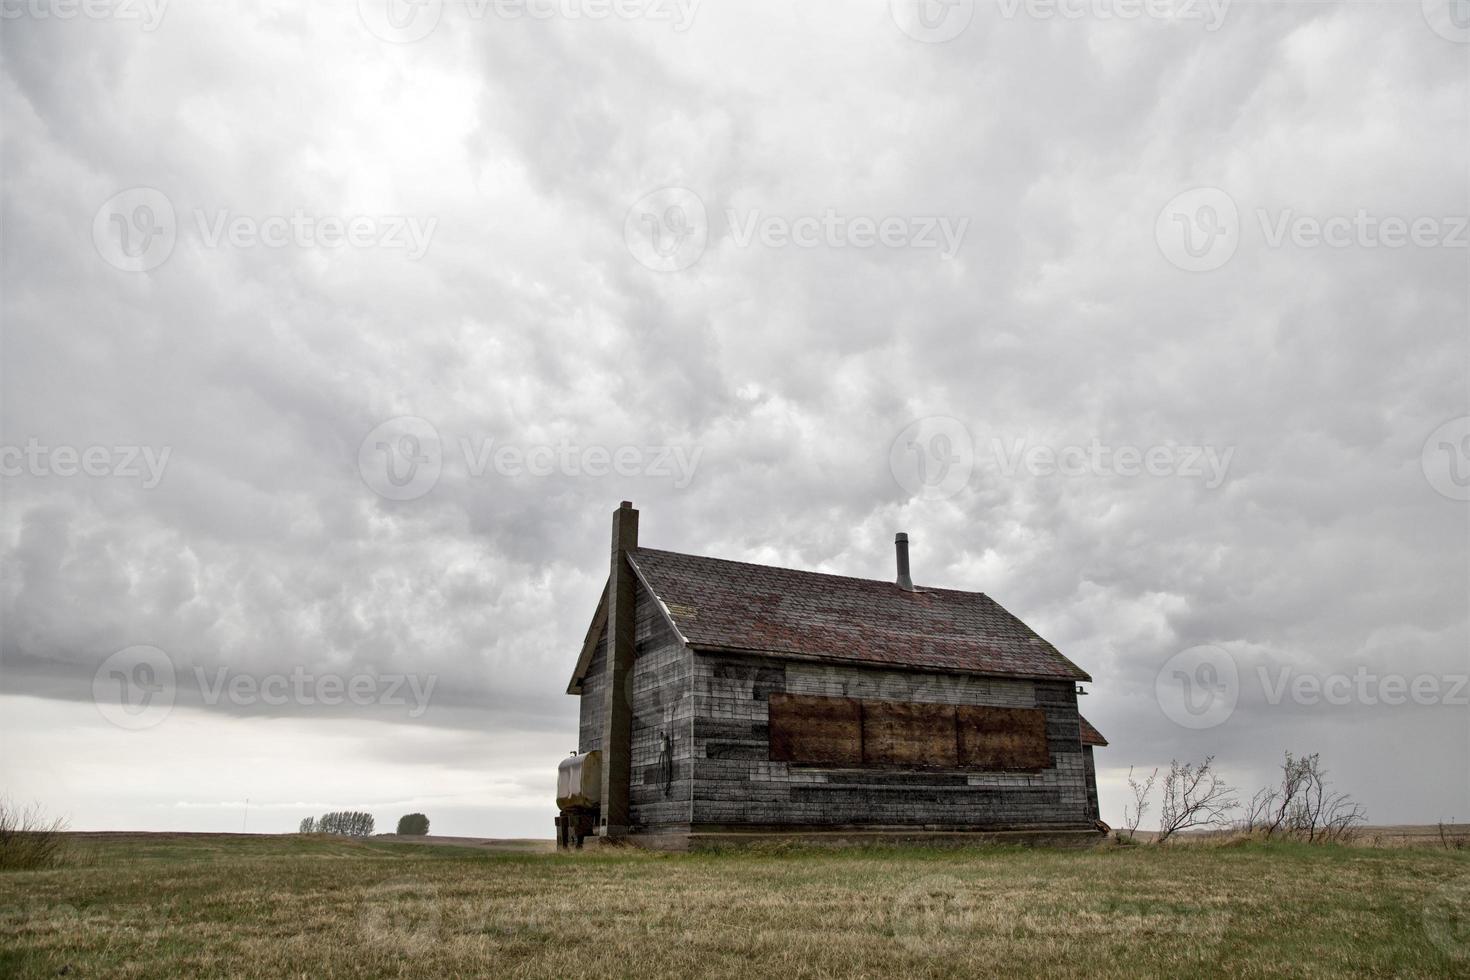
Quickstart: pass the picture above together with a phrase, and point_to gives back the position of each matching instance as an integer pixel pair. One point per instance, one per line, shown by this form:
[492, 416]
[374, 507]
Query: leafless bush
[29, 841]
[1451, 838]
[1332, 816]
[1256, 814]
[1304, 806]
[1194, 796]
[1287, 799]
[1342, 819]
[308, 825]
[1133, 816]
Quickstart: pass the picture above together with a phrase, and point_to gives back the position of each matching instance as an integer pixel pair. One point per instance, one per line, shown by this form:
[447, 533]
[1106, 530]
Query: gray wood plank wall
[660, 703]
[1092, 804]
[736, 783]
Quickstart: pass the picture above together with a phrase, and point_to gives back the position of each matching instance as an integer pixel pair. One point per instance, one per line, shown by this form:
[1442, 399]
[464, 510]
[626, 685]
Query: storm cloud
[332, 338]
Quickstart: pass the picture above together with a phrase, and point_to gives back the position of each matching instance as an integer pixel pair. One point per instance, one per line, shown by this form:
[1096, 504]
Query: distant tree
[413, 823]
[1194, 796]
[308, 825]
[350, 823]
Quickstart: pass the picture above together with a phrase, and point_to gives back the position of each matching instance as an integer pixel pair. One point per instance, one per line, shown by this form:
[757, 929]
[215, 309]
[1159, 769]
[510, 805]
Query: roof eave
[657, 600]
[1090, 735]
[589, 645]
[599, 622]
[1079, 674]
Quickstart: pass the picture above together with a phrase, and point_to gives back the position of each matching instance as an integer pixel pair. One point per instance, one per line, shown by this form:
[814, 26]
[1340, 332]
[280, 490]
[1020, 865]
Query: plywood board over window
[823, 731]
[909, 734]
[816, 730]
[1002, 738]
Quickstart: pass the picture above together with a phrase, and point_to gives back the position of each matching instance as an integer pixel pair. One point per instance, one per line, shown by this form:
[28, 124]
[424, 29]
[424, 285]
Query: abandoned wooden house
[721, 699]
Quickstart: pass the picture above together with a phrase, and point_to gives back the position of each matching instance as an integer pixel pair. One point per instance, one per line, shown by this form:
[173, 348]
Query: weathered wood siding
[737, 783]
[589, 728]
[661, 703]
[1091, 771]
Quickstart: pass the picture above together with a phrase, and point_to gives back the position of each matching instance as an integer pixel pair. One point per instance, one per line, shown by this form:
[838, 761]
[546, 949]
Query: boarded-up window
[1002, 738]
[909, 734]
[905, 734]
[816, 730]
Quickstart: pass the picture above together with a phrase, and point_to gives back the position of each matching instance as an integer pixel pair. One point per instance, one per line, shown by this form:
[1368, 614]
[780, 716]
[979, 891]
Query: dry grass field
[162, 905]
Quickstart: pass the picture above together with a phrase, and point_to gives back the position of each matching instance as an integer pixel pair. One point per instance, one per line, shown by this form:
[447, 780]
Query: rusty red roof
[1090, 735]
[733, 605]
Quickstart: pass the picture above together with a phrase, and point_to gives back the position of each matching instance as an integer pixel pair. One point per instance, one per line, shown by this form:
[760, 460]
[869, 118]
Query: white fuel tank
[579, 781]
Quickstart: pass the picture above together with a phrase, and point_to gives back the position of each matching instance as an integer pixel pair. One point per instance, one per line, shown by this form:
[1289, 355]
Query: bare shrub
[1194, 796]
[28, 840]
[1304, 806]
[308, 825]
[1133, 815]
[1342, 819]
[1256, 813]
[1287, 799]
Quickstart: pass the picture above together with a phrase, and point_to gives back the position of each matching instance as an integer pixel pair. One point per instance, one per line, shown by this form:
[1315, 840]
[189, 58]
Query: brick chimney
[617, 735]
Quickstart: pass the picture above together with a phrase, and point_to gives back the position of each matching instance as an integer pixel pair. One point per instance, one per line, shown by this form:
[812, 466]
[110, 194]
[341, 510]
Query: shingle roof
[1090, 735]
[759, 608]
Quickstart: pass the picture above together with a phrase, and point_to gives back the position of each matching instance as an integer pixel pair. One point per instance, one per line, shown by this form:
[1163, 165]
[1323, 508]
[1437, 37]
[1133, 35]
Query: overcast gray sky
[331, 339]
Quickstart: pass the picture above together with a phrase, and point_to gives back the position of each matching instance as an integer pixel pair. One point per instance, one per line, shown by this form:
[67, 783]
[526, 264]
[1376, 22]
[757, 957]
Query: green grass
[165, 906]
